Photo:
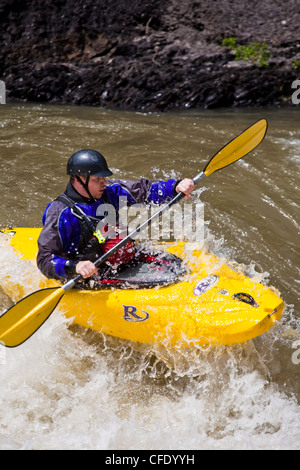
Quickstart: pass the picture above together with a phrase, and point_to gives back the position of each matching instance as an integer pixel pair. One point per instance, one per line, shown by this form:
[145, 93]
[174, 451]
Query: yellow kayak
[210, 304]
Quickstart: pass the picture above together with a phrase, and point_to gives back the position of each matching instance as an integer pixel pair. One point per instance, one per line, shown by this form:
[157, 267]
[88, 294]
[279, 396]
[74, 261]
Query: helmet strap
[85, 185]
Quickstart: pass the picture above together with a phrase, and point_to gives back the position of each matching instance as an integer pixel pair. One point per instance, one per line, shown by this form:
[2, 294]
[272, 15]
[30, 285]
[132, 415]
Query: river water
[67, 388]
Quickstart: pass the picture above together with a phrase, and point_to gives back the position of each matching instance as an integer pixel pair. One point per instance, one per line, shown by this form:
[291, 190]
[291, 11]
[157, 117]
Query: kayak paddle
[23, 319]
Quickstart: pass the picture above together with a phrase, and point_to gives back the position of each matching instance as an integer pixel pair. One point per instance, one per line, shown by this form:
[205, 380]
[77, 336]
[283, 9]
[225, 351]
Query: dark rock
[156, 55]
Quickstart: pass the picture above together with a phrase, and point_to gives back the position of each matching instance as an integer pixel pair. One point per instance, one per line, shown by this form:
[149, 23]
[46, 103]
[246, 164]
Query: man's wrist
[70, 267]
[175, 186]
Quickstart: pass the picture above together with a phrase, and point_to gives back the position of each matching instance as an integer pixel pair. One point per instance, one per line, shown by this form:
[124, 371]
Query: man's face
[97, 185]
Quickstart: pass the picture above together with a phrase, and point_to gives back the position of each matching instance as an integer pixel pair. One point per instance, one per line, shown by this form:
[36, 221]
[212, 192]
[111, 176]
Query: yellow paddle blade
[20, 321]
[238, 147]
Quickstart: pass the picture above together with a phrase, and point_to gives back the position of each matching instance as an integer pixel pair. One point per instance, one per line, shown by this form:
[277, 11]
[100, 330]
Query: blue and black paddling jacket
[64, 239]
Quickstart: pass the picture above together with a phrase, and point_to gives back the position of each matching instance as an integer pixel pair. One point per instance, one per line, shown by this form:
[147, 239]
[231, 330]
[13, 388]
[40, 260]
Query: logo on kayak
[205, 284]
[131, 315]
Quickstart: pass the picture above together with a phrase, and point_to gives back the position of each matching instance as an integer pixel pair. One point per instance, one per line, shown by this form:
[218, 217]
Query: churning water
[68, 388]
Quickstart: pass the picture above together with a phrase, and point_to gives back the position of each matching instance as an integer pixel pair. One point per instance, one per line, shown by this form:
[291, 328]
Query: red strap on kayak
[123, 256]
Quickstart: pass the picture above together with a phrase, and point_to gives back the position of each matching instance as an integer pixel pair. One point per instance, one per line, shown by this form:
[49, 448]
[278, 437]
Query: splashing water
[68, 387]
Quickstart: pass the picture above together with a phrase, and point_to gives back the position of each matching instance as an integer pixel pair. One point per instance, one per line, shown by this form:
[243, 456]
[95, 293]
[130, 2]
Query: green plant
[258, 53]
[229, 42]
[296, 64]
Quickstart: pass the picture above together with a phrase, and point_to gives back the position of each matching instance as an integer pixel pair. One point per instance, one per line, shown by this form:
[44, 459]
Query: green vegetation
[296, 64]
[258, 53]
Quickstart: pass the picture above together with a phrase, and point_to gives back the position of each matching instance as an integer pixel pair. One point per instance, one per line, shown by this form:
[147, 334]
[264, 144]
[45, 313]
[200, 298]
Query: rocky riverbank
[147, 55]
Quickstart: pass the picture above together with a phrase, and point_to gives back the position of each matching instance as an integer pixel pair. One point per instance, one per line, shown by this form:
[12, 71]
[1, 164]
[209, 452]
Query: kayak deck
[209, 303]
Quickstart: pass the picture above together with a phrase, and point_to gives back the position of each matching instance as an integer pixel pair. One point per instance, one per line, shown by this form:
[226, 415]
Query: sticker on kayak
[205, 284]
[131, 315]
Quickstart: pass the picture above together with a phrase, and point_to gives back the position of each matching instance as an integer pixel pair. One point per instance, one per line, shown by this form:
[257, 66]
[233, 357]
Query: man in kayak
[69, 242]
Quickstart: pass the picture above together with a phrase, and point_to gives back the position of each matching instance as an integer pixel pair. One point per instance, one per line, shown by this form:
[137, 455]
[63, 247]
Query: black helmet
[88, 162]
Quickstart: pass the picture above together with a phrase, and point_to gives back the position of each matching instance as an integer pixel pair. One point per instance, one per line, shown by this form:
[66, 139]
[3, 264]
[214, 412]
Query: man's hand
[86, 269]
[185, 186]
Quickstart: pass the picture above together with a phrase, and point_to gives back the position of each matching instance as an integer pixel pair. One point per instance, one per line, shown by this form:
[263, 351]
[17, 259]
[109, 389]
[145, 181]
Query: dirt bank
[148, 55]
